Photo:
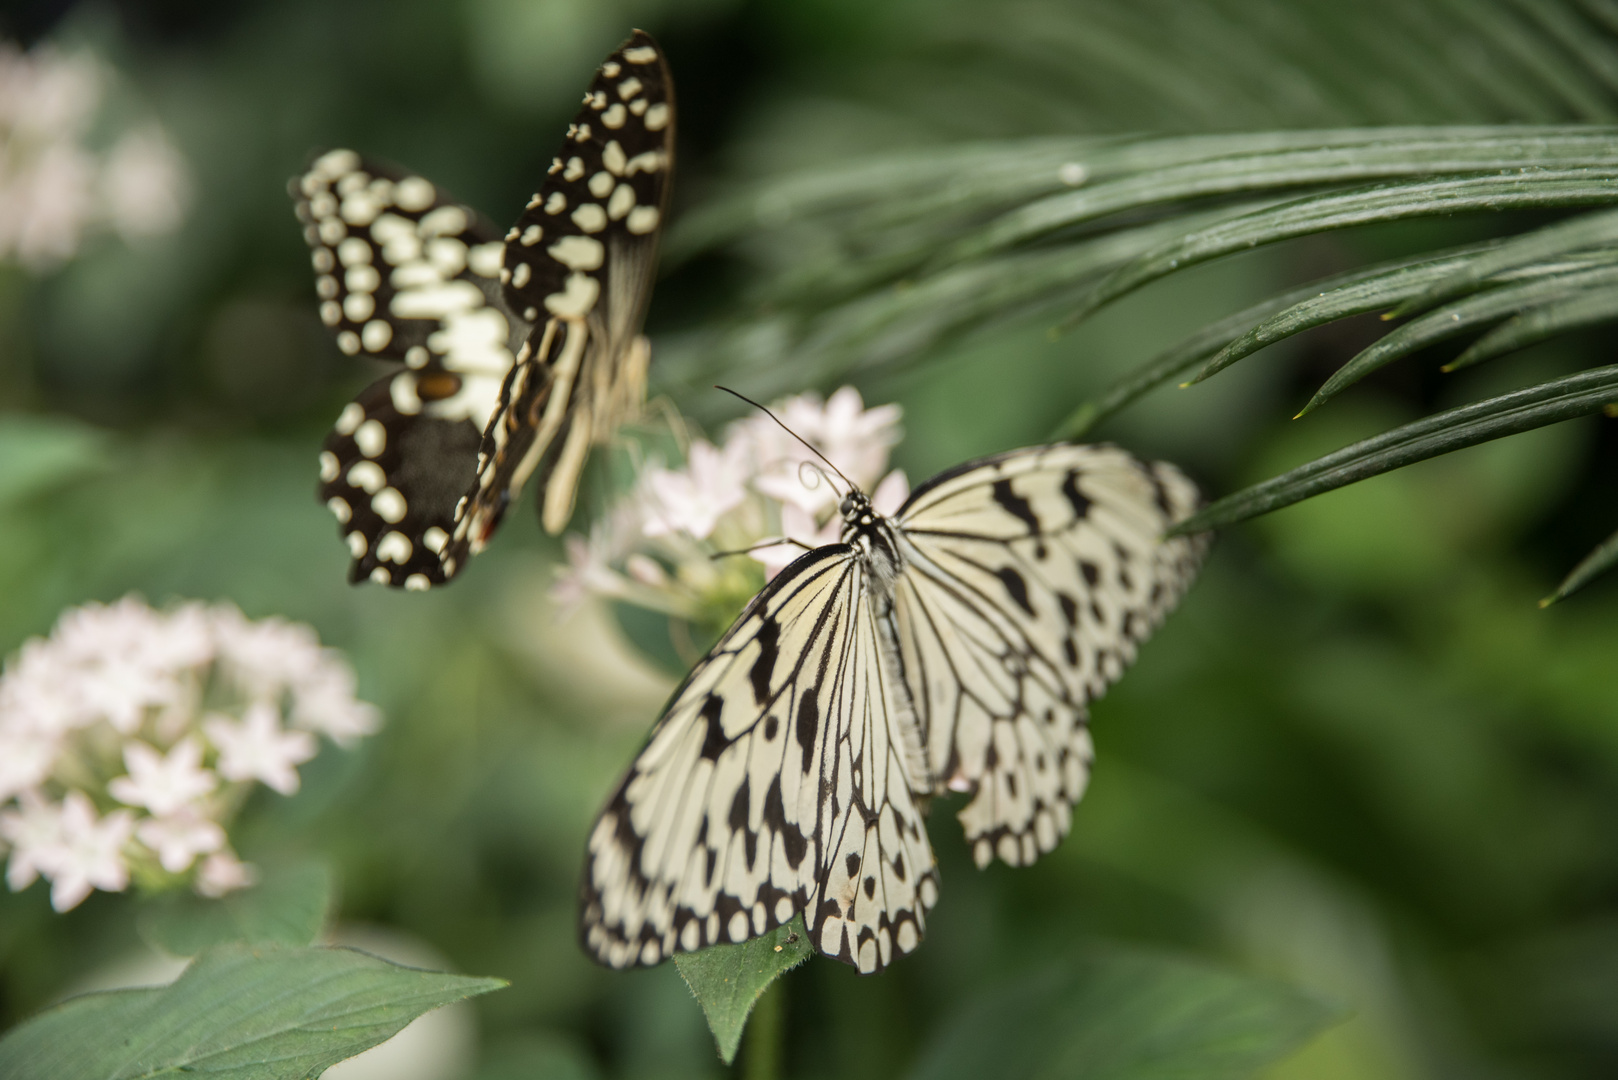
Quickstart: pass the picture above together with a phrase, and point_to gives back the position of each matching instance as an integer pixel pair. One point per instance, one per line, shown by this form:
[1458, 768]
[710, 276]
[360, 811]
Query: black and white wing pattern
[519, 352]
[782, 778]
[1029, 581]
[579, 264]
[406, 274]
[954, 648]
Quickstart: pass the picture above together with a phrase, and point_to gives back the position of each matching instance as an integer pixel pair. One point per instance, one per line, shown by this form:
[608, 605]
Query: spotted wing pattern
[579, 265]
[519, 352]
[774, 784]
[405, 274]
[1030, 580]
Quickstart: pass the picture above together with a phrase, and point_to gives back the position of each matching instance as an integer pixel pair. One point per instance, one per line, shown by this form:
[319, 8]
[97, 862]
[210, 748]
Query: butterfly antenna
[852, 486]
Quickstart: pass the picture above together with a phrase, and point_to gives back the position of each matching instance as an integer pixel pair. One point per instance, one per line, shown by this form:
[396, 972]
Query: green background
[1358, 760]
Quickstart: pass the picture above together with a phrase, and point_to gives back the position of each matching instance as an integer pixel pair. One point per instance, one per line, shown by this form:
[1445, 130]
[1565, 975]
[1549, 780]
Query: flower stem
[761, 1057]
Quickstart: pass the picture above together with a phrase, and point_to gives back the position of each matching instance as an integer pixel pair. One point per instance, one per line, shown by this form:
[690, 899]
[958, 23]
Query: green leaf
[728, 980]
[1580, 233]
[1528, 189]
[289, 907]
[239, 1012]
[1598, 562]
[1548, 320]
[1522, 410]
[1117, 1015]
[1458, 318]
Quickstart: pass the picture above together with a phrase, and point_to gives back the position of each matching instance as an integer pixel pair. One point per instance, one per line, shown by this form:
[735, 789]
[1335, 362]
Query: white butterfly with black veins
[518, 353]
[953, 647]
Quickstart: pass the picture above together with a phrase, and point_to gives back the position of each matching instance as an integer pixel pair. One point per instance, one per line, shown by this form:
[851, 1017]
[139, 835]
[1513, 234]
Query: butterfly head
[856, 510]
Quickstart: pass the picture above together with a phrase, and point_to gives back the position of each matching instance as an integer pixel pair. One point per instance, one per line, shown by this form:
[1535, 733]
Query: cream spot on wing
[629, 87]
[414, 194]
[657, 117]
[359, 307]
[520, 274]
[367, 476]
[416, 356]
[357, 544]
[648, 162]
[376, 334]
[601, 184]
[362, 278]
[638, 106]
[340, 509]
[349, 342]
[556, 203]
[613, 158]
[331, 313]
[532, 235]
[590, 217]
[353, 182]
[612, 118]
[641, 54]
[381, 576]
[361, 208]
[622, 202]
[574, 170]
[406, 401]
[350, 418]
[328, 466]
[353, 251]
[611, 69]
[371, 437]
[434, 539]
[487, 259]
[335, 163]
[445, 221]
[417, 583]
[326, 286]
[737, 927]
[447, 255]
[576, 299]
[643, 219]
[395, 547]
[388, 503]
[322, 260]
[578, 252]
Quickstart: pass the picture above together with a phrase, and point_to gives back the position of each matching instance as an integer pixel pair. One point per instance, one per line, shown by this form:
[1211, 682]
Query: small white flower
[267, 657]
[162, 784]
[693, 499]
[224, 873]
[324, 702]
[26, 757]
[180, 837]
[855, 439]
[90, 852]
[35, 835]
[258, 748]
[144, 184]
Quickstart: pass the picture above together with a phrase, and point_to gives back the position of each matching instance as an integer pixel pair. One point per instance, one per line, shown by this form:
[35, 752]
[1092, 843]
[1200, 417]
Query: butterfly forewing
[773, 784]
[407, 275]
[580, 263]
[1030, 580]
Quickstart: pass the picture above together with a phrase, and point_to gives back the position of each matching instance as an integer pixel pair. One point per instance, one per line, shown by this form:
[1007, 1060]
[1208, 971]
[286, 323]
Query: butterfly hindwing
[773, 784]
[406, 275]
[1030, 580]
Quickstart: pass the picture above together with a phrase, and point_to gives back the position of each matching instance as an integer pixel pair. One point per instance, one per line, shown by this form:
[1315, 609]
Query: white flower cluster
[53, 186]
[129, 738]
[656, 548]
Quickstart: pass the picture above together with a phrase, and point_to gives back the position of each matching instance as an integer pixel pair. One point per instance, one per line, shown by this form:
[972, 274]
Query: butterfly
[512, 356]
[954, 647]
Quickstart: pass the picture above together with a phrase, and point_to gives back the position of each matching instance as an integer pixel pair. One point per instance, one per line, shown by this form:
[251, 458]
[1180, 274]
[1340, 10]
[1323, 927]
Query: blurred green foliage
[1358, 761]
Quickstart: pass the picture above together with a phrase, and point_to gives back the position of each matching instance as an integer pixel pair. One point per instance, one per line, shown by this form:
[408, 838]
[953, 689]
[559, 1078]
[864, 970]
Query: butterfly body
[953, 647]
[519, 352]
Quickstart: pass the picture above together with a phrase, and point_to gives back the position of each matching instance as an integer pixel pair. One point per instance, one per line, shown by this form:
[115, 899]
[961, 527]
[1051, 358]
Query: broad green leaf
[1548, 320]
[1458, 318]
[1535, 406]
[728, 980]
[1525, 190]
[1116, 1015]
[1581, 233]
[1598, 562]
[289, 907]
[239, 1012]
[37, 453]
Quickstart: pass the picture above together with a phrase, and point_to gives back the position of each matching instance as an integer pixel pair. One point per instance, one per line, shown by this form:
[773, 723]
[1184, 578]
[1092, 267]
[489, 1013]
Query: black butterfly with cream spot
[519, 353]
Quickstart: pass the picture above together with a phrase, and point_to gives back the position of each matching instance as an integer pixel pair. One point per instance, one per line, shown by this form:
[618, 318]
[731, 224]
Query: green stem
[761, 1057]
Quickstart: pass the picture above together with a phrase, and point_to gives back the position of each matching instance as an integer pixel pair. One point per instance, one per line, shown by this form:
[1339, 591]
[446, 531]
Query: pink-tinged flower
[180, 837]
[26, 757]
[89, 854]
[258, 748]
[268, 656]
[224, 873]
[35, 835]
[693, 499]
[144, 184]
[162, 784]
[800, 525]
[324, 703]
[853, 438]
